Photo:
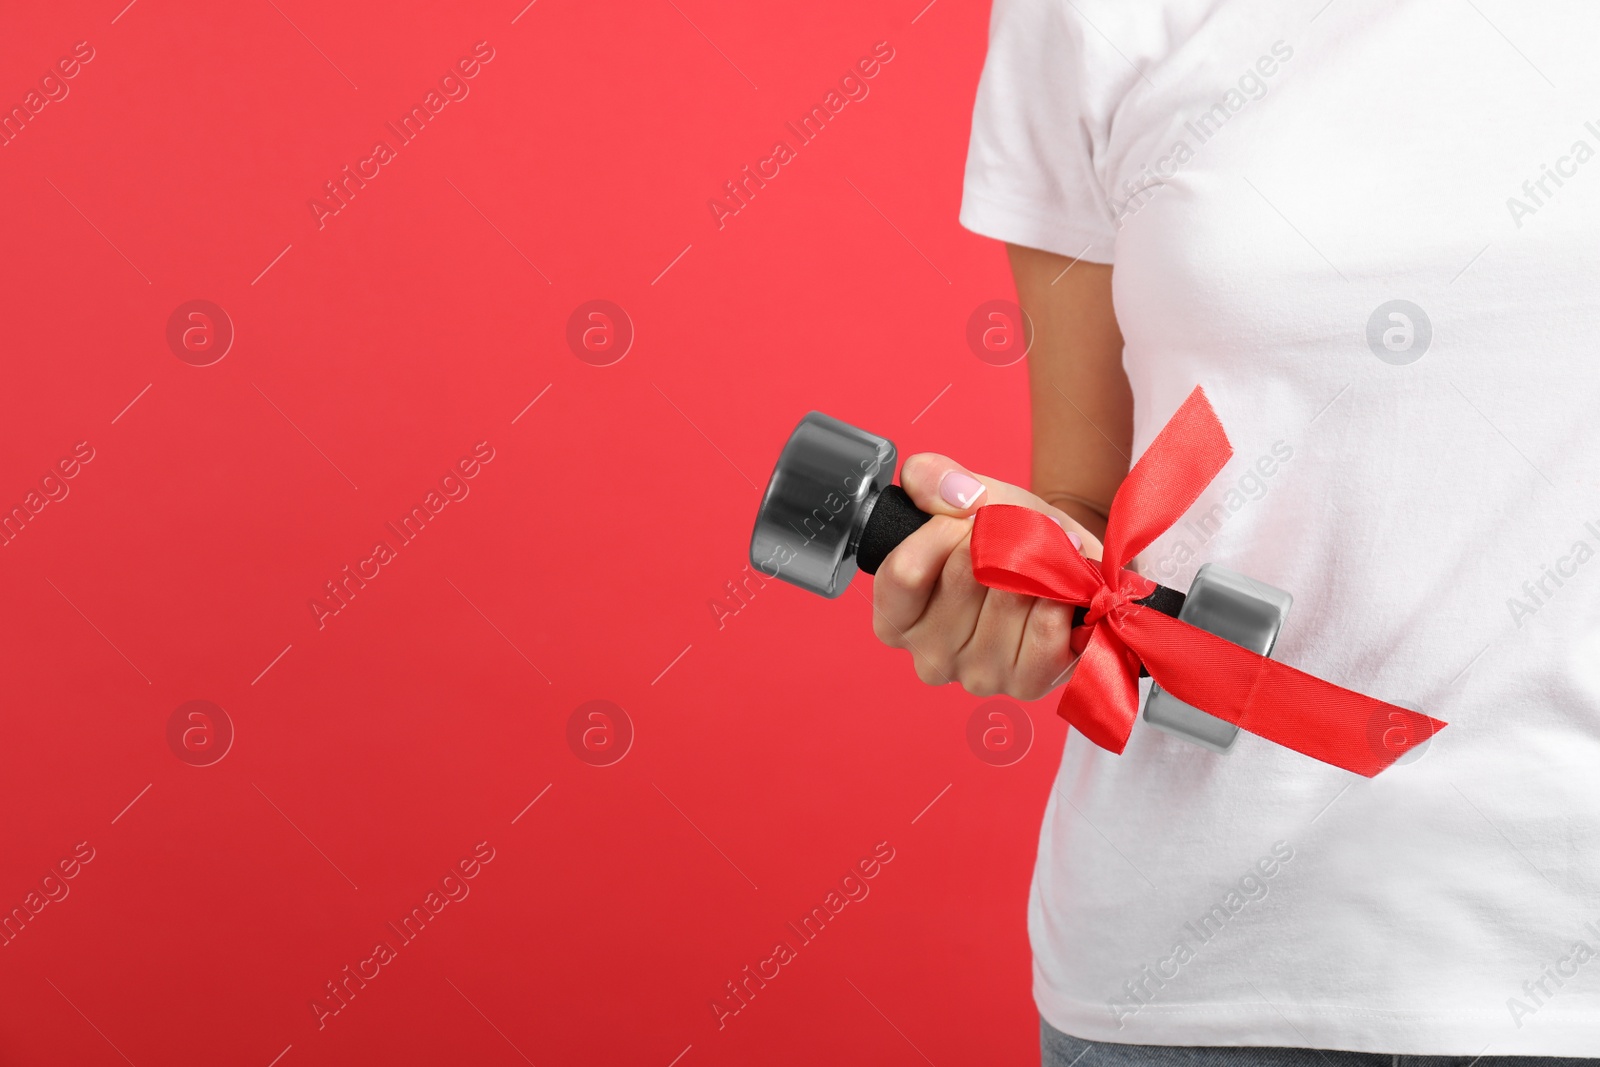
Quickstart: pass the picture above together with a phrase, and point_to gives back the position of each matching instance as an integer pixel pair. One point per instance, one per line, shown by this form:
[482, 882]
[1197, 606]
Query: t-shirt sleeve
[1039, 134]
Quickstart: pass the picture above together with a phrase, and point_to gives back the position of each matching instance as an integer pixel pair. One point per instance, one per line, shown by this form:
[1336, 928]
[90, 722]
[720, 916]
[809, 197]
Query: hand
[926, 600]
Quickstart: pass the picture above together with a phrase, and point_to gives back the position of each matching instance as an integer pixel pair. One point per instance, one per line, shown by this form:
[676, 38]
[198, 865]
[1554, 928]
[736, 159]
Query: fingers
[1045, 658]
[927, 601]
[974, 635]
[941, 486]
[1019, 646]
[906, 579]
[949, 620]
[984, 663]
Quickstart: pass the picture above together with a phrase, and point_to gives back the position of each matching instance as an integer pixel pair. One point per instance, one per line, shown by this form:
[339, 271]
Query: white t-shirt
[1424, 477]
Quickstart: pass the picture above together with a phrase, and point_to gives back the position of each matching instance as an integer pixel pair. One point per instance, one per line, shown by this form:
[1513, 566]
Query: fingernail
[959, 490]
[1077, 542]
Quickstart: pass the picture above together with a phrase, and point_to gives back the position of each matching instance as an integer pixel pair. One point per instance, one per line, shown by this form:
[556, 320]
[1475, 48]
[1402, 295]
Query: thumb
[941, 486]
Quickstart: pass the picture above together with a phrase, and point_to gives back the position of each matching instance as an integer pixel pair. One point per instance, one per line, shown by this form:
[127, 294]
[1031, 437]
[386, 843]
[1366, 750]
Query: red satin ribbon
[1023, 551]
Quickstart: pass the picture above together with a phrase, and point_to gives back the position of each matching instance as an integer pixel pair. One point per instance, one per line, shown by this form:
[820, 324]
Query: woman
[1371, 233]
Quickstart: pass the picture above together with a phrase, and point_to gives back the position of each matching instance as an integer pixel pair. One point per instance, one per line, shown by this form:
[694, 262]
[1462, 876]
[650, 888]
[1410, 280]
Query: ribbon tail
[1274, 700]
[1174, 470]
[1336, 725]
[1102, 696]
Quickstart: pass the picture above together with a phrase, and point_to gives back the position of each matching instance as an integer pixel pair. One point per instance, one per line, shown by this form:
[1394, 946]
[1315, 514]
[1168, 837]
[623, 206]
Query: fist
[926, 600]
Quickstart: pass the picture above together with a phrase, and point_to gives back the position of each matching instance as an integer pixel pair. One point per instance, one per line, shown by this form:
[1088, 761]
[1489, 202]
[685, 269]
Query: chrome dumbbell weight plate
[823, 490]
[1236, 608]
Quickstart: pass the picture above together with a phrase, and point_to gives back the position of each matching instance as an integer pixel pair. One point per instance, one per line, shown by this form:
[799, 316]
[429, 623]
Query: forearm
[1081, 402]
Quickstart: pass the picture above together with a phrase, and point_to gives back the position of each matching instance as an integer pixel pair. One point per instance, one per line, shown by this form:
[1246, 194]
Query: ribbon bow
[1023, 551]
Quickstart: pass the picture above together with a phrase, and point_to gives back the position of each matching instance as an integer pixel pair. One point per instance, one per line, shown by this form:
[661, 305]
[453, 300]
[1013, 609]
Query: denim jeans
[1063, 1050]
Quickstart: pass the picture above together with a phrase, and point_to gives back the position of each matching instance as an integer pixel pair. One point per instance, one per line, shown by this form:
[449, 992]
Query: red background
[371, 755]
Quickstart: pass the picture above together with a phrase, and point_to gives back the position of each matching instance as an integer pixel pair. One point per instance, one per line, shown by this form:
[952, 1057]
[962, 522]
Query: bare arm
[926, 598]
[1082, 404]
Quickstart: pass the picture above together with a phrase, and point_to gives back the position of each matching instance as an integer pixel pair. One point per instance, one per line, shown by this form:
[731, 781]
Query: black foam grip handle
[1165, 599]
[894, 518]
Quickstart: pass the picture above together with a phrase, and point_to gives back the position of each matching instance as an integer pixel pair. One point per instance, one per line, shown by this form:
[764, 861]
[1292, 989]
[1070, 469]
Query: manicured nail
[960, 490]
[1077, 542]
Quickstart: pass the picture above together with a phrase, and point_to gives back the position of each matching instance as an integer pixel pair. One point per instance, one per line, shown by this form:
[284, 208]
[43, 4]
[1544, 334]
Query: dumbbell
[831, 508]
